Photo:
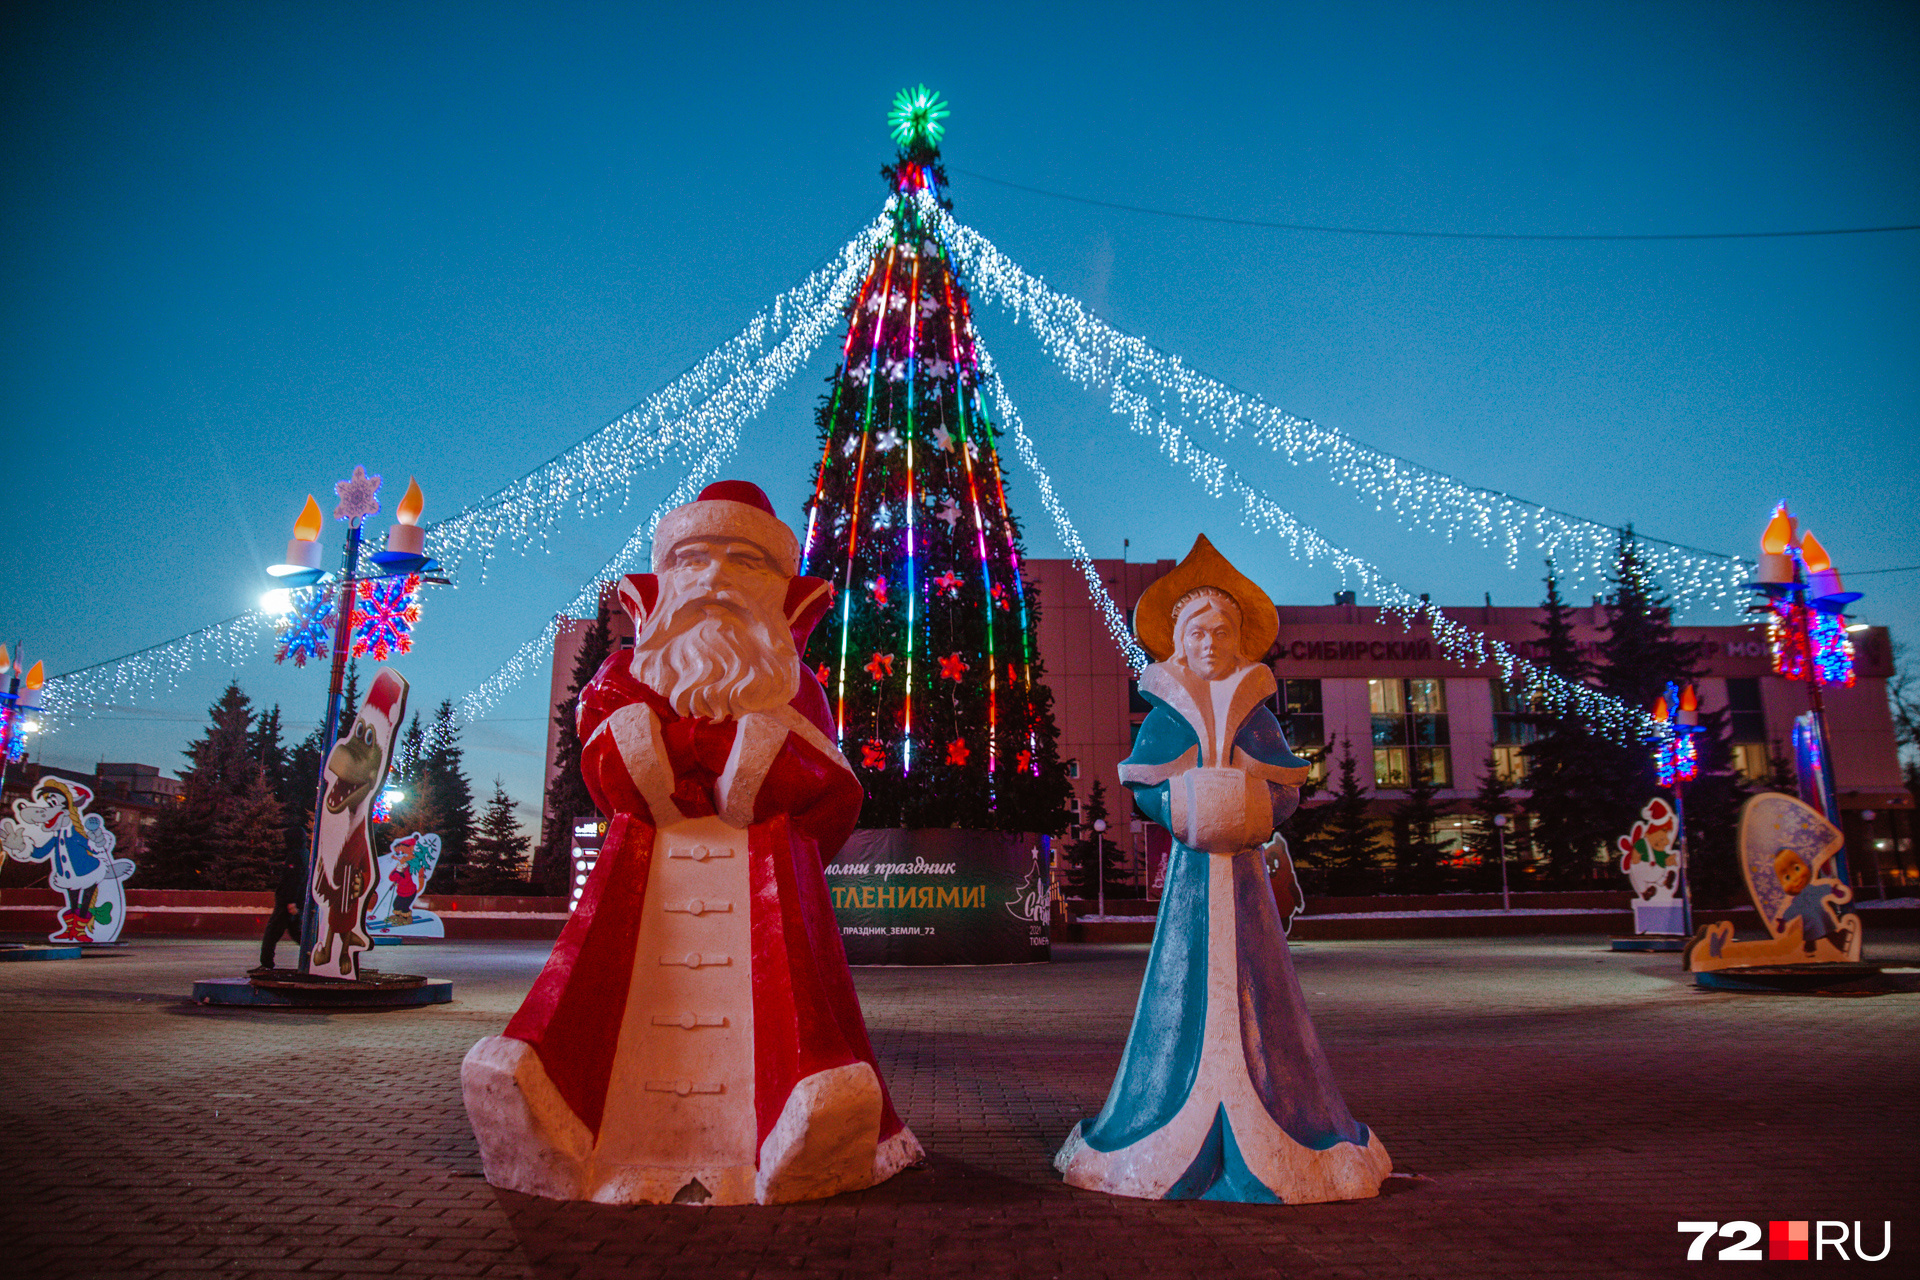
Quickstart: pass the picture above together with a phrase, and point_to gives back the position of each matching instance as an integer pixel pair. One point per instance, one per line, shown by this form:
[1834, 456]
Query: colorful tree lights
[909, 519]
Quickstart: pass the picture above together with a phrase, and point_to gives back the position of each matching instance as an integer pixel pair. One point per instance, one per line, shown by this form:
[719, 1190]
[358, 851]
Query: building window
[1073, 768]
[1303, 720]
[1512, 731]
[1409, 731]
[1747, 729]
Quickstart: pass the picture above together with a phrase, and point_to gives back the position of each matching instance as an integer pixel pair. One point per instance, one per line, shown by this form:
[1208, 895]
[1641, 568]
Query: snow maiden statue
[1223, 1091]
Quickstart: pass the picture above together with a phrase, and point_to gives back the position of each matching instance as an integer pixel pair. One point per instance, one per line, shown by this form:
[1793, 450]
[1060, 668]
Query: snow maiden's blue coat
[1223, 1092]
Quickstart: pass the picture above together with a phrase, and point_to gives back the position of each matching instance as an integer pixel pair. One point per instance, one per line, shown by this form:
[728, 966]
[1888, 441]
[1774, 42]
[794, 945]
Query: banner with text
[942, 896]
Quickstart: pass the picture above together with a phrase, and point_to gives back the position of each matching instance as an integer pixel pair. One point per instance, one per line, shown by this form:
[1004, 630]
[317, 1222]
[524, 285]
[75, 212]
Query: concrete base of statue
[1651, 942]
[530, 1141]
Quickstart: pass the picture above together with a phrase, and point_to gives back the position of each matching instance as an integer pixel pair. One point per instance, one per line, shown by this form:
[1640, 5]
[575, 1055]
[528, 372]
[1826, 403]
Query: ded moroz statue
[1223, 1091]
[695, 1037]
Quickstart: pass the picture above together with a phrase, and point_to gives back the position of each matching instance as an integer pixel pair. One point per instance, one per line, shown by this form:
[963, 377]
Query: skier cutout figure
[407, 855]
[1807, 903]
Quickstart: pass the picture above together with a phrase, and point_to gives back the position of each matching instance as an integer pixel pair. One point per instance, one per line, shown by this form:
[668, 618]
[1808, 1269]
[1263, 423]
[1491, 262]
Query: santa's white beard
[720, 665]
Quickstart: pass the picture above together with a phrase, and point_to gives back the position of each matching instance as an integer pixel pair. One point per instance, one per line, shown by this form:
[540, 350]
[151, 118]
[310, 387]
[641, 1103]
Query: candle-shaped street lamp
[19, 707]
[406, 537]
[1806, 603]
[303, 549]
[1676, 762]
[366, 611]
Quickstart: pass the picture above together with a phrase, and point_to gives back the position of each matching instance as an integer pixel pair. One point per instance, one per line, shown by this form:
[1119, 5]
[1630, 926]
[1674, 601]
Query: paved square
[1562, 1106]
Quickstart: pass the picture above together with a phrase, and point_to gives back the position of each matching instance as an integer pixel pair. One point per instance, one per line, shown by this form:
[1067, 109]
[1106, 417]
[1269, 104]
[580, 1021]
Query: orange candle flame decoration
[1779, 534]
[1660, 707]
[1688, 702]
[6, 660]
[308, 526]
[37, 676]
[408, 512]
[1818, 561]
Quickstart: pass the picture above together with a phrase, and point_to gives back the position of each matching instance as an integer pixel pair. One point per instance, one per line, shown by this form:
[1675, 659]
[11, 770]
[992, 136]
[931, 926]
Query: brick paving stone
[1554, 1110]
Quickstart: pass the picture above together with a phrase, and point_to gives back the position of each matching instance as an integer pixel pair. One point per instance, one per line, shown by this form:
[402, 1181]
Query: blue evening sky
[248, 246]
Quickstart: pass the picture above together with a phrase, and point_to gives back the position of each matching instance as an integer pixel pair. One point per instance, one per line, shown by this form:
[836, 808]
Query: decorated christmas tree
[928, 655]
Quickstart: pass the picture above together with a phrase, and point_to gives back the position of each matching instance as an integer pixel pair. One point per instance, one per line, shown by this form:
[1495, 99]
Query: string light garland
[1155, 392]
[724, 389]
[1460, 642]
[698, 416]
[154, 670]
[699, 413]
[1110, 613]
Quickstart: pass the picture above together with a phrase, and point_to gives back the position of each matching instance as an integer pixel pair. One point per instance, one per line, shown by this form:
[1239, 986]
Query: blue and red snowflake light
[384, 614]
[305, 631]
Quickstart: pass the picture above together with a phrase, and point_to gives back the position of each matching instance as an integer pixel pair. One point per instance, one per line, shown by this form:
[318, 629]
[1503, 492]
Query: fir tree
[302, 793]
[1416, 850]
[498, 862]
[1494, 799]
[1639, 654]
[292, 785]
[1781, 775]
[442, 783]
[1093, 854]
[1305, 828]
[349, 698]
[414, 812]
[1351, 834]
[567, 799]
[1563, 771]
[938, 695]
[266, 747]
[227, 815]
[248, 845]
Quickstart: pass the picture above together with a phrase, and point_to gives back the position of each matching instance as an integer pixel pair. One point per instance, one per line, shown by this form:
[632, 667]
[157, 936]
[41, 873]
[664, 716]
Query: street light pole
[1100, 859]
[330, 730]
[404, 557]
[1500, 833]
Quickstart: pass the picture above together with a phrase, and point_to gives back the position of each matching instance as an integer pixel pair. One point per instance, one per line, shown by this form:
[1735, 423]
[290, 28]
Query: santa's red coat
[806, 1017]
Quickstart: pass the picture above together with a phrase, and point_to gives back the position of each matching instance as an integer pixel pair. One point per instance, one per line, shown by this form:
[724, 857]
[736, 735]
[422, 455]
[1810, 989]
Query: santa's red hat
[729, 509]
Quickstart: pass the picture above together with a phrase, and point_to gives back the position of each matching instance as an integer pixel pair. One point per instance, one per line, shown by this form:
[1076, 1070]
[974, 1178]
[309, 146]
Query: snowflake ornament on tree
[306, 628]
[384, 616]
